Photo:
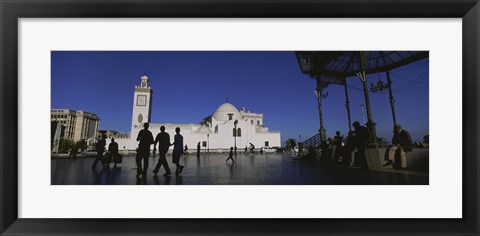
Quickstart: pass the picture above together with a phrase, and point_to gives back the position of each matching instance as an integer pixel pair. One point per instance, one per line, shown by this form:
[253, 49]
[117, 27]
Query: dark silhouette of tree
[290, 143]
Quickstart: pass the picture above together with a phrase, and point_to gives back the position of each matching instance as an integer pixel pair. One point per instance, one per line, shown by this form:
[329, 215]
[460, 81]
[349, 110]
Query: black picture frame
[11, 11]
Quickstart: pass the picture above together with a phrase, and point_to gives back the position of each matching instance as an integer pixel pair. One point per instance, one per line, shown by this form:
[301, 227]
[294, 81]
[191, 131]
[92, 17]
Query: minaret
[142, 105]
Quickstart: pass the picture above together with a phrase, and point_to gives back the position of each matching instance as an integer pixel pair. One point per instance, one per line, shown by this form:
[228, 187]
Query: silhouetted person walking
[100, 149]
[362, 135]
[113, 152]
[230, 156]
[143, 152]
[198, 149]
[177, 151]
[163, 140]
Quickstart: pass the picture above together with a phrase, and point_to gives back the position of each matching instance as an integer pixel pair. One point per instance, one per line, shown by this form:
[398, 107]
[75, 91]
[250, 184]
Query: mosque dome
[223, 111]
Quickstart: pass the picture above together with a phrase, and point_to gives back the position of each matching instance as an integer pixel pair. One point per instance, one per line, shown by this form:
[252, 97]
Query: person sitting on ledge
[402, 142]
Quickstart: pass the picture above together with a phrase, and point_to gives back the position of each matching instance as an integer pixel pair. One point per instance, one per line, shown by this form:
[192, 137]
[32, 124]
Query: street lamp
[235, 136]
[208, 144]
[362, 75]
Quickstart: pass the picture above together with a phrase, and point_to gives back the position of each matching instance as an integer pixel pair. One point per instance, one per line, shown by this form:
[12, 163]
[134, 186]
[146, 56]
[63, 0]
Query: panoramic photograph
[239, 118]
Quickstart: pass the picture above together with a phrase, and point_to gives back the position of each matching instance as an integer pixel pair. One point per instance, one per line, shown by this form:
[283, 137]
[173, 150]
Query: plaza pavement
[249, 169]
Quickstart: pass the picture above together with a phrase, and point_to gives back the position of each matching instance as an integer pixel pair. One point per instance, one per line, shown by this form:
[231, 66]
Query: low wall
[417, 160]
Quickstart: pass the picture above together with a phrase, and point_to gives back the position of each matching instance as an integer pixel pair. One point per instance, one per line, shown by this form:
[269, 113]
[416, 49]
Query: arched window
[234, 133]
[239, 132]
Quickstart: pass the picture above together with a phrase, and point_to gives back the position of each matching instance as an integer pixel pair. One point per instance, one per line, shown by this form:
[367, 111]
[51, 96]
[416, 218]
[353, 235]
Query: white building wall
[124, 142]
[222, 140]
[272, 138]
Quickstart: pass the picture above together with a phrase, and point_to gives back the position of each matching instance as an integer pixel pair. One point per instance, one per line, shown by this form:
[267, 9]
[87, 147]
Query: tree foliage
[81, 144]
[290, 143]
[65, 145]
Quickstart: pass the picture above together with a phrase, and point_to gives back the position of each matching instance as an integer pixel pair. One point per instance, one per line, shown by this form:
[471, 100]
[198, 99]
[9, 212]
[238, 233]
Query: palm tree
[81, 144]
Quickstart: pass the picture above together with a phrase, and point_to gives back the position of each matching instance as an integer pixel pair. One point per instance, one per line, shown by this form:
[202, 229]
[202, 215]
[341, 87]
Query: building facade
[76, 125]
[225, 128]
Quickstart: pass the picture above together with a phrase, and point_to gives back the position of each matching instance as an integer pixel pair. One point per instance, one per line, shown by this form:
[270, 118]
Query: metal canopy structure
[333, 67]
[338, 65]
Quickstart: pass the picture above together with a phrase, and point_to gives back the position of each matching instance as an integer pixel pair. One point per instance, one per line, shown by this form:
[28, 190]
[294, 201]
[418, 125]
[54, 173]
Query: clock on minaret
[141, 100]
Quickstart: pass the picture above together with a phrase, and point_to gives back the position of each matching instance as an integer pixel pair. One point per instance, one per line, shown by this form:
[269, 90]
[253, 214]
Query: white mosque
[215, 132]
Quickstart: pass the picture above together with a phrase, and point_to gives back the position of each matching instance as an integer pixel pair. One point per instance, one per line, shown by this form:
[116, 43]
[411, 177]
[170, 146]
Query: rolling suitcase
[117, 159]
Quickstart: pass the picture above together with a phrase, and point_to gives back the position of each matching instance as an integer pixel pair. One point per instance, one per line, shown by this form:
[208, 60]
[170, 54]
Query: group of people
[112, 153]
[145, 139]
[335, 149]
[358, 140]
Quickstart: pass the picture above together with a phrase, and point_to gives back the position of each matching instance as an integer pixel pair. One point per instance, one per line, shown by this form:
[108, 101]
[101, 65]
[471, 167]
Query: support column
[363, 77]
[347, 105]
[372, 155]
[320, 113]
[319, 94]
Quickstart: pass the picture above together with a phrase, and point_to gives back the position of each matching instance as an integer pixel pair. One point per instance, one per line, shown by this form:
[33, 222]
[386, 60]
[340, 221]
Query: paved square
[248, 169]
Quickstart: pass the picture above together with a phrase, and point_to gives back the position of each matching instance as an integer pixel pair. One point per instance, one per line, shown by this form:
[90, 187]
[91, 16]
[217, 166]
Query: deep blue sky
[189, 86]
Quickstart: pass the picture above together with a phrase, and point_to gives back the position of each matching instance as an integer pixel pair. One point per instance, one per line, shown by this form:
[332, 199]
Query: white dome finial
[144, 82]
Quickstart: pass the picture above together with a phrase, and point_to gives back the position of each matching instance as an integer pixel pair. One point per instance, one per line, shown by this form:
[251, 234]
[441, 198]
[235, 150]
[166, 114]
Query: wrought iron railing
[312, 142]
